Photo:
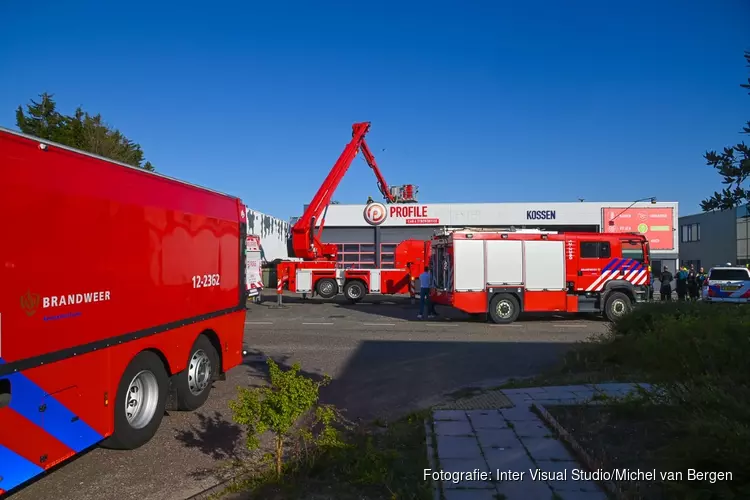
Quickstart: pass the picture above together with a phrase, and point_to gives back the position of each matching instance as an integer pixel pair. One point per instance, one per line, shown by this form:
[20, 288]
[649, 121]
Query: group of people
[688, 283]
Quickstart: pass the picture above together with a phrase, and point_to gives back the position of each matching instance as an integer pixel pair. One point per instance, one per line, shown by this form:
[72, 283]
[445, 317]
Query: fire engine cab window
[595, 250]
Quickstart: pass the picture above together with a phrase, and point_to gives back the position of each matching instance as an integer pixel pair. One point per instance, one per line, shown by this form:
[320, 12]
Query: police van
[730, 284]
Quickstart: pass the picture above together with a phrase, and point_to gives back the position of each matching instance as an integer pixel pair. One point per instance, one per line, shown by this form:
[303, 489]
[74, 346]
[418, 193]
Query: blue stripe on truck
[27, 399]
[15, 470]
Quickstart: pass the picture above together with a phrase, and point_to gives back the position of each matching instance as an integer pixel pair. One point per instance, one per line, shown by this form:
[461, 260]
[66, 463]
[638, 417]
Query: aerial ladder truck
[314, 268]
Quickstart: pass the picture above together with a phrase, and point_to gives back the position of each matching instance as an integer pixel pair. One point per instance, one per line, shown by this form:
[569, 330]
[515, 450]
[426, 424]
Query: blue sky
[474, 101]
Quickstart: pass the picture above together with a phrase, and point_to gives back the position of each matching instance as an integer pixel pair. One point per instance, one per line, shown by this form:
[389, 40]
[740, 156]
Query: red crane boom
[306, 242]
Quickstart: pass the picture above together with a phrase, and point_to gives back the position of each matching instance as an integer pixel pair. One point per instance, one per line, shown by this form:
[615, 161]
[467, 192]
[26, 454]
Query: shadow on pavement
[386, 379]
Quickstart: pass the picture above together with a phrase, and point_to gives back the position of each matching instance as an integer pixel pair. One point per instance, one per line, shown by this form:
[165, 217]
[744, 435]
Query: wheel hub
[142, 399]
[326, 288]
[618, 307]
[354, 292]
[504, 309]
[199, 372]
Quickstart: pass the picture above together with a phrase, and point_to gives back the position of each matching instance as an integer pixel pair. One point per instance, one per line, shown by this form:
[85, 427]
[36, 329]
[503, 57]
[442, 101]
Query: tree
[81, 131]
[733, 164]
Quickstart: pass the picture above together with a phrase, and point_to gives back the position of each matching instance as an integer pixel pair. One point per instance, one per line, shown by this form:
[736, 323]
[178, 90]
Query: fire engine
[314, 268]
[503, 273]
[123, 293]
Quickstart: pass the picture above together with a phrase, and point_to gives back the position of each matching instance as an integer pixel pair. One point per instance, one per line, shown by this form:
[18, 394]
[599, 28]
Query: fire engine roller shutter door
[469, 265]
[545, 265]
[504, 262]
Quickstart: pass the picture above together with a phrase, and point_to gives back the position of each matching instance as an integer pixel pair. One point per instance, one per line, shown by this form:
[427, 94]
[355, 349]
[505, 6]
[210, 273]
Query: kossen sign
[377, 213]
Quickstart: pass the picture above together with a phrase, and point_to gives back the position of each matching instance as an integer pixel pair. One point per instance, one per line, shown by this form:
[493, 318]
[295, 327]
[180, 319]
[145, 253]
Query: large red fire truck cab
[123, 293]
[504, 273]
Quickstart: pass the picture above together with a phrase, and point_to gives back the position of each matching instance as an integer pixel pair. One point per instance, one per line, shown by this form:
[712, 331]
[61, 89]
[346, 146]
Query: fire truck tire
[355, 291]
[193, 384]
[327, 288]
[617, 305]
[140, 402]
[504, 308]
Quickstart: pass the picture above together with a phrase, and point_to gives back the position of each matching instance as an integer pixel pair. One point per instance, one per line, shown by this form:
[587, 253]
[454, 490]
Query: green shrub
[280, 408]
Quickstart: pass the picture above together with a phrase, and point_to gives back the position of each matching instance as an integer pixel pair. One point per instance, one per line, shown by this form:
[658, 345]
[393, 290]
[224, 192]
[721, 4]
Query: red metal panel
[545, 301]
[31, 441]
[121, 239]
[572, 304]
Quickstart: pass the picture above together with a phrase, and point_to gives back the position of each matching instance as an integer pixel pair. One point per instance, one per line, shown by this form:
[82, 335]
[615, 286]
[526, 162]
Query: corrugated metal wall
[273, 232]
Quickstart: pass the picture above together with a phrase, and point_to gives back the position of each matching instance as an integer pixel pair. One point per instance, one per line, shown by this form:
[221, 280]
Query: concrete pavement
[369, 350]
[510, 453]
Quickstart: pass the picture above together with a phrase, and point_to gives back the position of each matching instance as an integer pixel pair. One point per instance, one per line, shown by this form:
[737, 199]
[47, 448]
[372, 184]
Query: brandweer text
[74, 298]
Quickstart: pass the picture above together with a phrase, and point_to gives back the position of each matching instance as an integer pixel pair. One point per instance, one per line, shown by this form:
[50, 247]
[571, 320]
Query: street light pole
[651, 199]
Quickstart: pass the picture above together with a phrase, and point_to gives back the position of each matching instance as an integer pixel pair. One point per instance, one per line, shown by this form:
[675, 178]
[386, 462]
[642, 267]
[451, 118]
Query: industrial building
[715, 238]
[367, 235]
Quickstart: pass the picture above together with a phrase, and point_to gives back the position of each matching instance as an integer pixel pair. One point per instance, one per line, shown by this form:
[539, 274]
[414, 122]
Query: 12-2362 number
[206, 280]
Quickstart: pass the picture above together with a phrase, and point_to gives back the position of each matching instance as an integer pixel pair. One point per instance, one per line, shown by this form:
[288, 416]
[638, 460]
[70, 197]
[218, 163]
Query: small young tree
[277, 407]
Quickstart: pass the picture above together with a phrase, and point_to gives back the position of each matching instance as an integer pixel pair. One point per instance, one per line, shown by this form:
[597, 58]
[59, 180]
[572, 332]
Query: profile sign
[375, 214]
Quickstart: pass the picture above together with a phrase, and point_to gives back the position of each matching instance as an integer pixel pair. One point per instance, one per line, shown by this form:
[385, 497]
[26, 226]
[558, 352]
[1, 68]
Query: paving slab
[449, 415]
[546, 449]
[509, 459]
[527, 489]
[528, 428]
[453, 428]
[518, 413]
[498, 438]
[457, 447]
[569, 484]
[558, 402]
[470, 494]
[580, 495]
[492, 419]
[465, 466]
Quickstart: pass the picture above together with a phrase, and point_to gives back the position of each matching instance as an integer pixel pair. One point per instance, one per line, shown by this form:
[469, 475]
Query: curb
[581, 454]
[437, 493]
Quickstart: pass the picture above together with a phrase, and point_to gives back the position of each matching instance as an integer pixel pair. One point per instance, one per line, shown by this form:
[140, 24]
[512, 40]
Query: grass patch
[697, 355]
[377, 462]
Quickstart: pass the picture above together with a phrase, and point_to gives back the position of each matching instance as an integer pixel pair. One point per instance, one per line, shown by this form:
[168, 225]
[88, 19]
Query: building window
[356, 255]
[743, 245]
[388, 255]
[690, 232]
[595, 250]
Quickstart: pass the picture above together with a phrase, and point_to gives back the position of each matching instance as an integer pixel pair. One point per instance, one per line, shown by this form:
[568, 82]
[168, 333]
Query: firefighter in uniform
[702, 280]
[692, 283]
[682, 276]
[666, 284]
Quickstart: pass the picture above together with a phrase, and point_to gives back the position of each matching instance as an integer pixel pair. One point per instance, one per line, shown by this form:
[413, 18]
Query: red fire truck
[123, 293]
[506, 272]
[314, 269]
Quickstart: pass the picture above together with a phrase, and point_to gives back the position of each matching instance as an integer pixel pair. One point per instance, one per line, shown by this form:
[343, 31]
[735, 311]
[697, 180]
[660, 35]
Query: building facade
[715, 238]
[367, 235]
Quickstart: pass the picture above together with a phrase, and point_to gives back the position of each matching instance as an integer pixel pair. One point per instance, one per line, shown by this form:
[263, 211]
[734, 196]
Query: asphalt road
[383, 361]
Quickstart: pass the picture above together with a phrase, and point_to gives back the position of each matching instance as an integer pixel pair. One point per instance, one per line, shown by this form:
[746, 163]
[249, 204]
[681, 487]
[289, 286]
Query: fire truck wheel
[193, 384]
[140, 402]
[504, 308]
[327, 288]
[617, 305]
[355, 291]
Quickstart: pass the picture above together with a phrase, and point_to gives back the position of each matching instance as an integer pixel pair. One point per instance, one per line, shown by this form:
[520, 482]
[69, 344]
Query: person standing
[425, 280]
[666, 285]
[682, 275]
[702, 280]
[692, 283]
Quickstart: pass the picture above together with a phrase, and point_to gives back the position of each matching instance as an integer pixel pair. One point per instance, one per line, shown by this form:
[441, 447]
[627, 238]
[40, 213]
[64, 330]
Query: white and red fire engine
[503, 273]
[314, 268]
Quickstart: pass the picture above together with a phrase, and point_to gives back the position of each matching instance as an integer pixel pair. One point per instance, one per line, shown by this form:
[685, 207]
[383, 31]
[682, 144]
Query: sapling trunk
[279, 454]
